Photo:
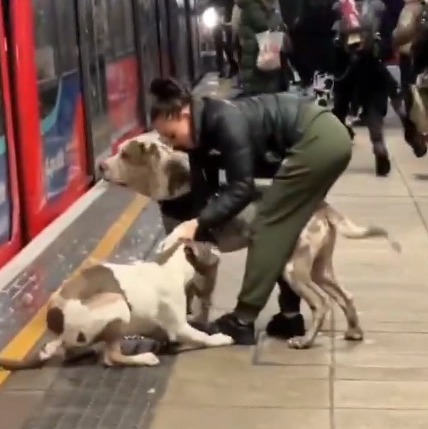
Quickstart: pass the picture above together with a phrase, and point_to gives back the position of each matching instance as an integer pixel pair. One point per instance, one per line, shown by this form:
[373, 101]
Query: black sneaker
[383, 165]
[242, 333]
[415, 141]
[286, 327]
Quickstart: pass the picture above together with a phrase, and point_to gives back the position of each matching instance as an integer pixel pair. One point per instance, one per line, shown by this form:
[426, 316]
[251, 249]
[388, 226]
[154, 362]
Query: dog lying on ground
[108, 301]
[151, 168]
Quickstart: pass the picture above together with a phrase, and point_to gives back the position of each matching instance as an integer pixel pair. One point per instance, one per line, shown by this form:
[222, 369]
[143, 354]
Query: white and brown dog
[108, 301]
[151, 168]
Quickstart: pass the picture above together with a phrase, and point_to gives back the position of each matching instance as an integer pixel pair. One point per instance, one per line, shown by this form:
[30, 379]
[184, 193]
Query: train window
[117, 27]
[46, 53]
[129, 26]
[5, 208]
[65, 13]
[101, 26]
[2, 115]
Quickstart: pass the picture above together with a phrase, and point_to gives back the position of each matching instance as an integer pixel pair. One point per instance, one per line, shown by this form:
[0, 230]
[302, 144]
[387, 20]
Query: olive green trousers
[308, 172]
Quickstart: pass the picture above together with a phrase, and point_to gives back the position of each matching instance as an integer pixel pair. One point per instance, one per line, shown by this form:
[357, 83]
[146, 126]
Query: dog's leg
[113, 356]
[190, 295]
[172, 318]
[112, 335]
[188, 334]
[323, 274]
[204, 288]
[345, 301]
[48, 351]
[297, 273]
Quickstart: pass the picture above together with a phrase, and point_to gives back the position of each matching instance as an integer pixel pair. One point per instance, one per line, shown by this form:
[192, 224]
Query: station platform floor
[381, 383]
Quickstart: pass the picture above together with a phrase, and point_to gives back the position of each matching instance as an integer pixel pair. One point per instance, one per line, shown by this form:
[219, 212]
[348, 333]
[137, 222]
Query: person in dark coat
[311, 148]
[223, 38]
[258, 16]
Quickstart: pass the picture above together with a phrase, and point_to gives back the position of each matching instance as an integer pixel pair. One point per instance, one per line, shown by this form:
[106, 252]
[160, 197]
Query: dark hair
[169, 98]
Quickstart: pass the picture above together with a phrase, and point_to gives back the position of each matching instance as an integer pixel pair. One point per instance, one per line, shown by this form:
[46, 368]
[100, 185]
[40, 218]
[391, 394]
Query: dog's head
[79, 324]
[150, 167]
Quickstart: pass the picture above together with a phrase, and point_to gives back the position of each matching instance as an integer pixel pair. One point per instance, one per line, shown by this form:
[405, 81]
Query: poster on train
[60, 139]
[123, 91]
[50, 111]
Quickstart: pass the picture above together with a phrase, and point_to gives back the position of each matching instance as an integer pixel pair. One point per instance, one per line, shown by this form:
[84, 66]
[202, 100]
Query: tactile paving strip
[89, 396]
[94, 397]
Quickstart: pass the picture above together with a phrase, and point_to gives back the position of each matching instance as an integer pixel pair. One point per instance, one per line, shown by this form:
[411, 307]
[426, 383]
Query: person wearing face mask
[308, 145]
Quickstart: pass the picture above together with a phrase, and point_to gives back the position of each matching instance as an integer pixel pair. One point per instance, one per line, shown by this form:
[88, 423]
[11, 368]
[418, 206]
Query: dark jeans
[223, 46]
[407, 79]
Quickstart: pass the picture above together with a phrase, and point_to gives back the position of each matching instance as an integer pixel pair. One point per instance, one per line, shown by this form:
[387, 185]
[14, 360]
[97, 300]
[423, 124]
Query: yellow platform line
[26, 339]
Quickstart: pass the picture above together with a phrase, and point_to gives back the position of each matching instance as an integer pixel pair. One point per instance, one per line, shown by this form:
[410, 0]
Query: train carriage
[79, 74]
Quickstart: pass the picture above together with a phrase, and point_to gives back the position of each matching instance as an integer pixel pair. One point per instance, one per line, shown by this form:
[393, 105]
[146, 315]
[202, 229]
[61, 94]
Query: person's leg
[410, 133]
[375, 127]
[218, 46]
[228, 50]
[288, 322]
[300, 185]
[342, 97]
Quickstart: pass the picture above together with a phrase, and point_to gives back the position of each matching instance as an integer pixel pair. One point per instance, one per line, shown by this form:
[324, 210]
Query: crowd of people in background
[316, 40]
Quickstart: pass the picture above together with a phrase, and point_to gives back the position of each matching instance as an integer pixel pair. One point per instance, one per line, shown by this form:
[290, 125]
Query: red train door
[49, 113]
[111, 73]
[93, 41]
[10, 228]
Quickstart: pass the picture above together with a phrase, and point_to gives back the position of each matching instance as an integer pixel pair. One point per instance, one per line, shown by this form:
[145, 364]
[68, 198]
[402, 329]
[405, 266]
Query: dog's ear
[55, 320]
[153, 150]
[136, 151]
[178, 175]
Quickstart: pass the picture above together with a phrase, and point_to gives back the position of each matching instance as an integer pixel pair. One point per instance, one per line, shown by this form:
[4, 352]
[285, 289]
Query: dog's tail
[31, 362]
[349, 229]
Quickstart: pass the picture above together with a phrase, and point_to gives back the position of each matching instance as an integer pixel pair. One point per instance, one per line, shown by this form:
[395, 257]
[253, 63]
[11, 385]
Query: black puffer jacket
[247, 133]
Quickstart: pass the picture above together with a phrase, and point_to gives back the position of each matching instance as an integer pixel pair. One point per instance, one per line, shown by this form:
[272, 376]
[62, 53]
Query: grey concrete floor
[380, 383]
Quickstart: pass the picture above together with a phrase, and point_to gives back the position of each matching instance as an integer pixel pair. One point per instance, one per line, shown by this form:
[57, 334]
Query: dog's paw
[299, 343]
[148, 359]
[354, 334]
[198, 318]
[217, 340]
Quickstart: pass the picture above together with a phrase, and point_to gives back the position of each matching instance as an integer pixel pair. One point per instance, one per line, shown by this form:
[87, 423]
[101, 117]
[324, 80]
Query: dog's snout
[102, 168]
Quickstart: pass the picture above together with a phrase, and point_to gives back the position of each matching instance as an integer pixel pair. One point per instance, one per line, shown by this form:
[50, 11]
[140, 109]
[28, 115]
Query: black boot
[284, 327]
[415, 141]
[228, 324]
[280, 325]
[383, 165]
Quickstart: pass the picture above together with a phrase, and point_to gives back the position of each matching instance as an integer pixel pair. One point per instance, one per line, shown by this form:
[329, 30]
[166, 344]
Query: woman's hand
[186, 231]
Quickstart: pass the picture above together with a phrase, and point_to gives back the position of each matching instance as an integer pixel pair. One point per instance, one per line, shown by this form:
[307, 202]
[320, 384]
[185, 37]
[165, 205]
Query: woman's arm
[237, 153]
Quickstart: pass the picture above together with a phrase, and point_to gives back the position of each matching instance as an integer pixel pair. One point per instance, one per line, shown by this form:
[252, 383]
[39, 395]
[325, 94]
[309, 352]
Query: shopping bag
[270, 46]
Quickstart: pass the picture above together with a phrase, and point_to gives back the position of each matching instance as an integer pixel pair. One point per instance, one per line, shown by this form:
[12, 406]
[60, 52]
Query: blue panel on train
[5, 203]
[57, 130]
